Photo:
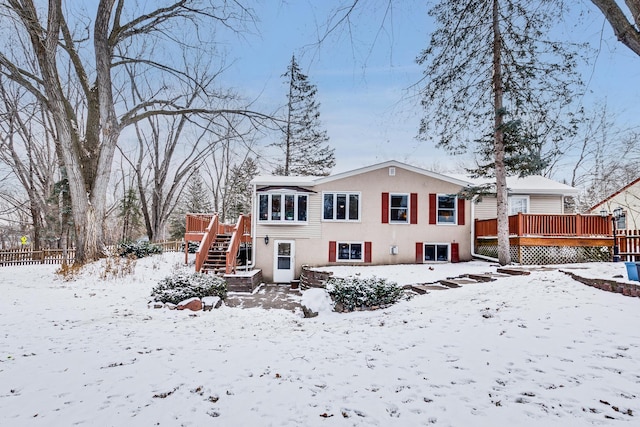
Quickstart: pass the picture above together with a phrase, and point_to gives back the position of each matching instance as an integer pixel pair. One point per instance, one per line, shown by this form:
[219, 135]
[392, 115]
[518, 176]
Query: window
[436, 252]
[446, 209]
[621, 223]
[518, 204]
[341, 206]
[399, 208]
[275, 207]
[350, 251]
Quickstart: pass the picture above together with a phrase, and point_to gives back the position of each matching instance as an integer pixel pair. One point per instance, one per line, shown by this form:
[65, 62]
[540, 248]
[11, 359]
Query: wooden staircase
[216, 261]
[219, 243]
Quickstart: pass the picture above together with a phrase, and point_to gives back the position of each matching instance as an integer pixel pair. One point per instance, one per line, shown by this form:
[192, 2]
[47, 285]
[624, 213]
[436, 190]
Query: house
[532, 194]
[628, 199]
[388, 213]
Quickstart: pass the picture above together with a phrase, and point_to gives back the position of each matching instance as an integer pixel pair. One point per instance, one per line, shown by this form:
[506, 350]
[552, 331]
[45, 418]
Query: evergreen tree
[238, 189]
[489, 69]
[130, 213]
[195, 200]
[305, 143]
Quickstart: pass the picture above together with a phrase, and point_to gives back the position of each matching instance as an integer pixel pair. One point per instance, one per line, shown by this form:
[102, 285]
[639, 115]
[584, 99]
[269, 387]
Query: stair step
[481, 277]
[513, 271]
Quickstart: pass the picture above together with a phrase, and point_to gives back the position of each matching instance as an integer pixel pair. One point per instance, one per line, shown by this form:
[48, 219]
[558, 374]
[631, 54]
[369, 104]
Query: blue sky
[365, 77]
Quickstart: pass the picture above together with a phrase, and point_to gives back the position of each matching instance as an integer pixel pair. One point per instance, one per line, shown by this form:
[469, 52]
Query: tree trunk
[504, 257]
[624, 30]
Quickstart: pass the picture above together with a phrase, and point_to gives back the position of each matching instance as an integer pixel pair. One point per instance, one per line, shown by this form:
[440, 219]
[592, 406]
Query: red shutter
[461, 203]
[419, 252]
[413, 215]
[432, 208]
[332, 251]
[455, 252]
[367, 251]
[385, 208]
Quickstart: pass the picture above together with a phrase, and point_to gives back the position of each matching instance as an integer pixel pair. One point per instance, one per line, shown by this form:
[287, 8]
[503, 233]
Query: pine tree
[238, 189]
[305, 143]
[489, 69]
[130, 214]
[195, 200]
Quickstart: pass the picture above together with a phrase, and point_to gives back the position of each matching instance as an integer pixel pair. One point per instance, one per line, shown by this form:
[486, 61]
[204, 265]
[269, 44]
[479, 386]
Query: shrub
[138, 249]
[353, 292]
[192, 247]
[118, 267]
[182, 285]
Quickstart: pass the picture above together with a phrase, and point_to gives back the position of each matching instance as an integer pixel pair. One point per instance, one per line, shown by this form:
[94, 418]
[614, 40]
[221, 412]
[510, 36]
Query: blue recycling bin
[632, 271]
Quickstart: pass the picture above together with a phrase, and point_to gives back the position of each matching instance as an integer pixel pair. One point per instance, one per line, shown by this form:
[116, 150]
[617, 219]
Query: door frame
[281, 275]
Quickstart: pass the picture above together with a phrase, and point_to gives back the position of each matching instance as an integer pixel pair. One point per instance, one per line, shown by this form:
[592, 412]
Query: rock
[210, 303]
[158, 304]
[308, 313]
[339, 307]
[193, 304]
[170, 306]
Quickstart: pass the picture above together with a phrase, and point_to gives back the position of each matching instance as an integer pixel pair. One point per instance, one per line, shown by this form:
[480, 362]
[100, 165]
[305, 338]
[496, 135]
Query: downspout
[473, 233]
[252, 264]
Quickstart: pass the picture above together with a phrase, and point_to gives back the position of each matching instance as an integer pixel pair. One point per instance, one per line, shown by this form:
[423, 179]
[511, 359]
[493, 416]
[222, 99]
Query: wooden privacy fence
[26, 256]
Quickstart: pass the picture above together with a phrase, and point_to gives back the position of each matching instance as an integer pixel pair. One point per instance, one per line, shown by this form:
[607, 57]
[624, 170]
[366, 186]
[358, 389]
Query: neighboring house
[389, 213]
[627, 198]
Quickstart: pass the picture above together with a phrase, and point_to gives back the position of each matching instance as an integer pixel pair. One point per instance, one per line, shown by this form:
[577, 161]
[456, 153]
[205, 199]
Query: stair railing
[207, 240]
[241, 230]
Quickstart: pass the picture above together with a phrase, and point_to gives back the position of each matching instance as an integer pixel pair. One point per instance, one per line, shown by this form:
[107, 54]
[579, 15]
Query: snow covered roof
[534, 184]
[275, 180]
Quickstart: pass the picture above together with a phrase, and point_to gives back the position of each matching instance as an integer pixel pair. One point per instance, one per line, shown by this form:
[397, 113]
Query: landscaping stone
[193, 304]
[209, 303]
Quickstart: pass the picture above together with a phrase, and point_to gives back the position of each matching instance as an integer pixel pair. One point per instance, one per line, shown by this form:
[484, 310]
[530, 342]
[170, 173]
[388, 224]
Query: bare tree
[27, 148]
[625, 23]
[78, 78]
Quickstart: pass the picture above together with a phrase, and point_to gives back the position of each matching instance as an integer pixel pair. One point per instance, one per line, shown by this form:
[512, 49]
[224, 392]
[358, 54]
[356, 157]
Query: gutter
[473, 234]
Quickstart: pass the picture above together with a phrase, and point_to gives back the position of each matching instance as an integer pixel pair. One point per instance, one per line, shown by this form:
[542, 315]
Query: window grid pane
[353, 207]
[446, 210]
[341, 206]
[399, 208]
[302, 208]
[264, 207]
[328, 206]
[276, 206]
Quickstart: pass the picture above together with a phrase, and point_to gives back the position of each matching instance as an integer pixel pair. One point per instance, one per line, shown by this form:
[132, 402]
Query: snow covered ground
[538, 350]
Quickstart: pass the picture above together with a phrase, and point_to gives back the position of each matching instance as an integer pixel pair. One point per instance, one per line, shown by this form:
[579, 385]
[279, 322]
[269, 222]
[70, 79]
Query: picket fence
[26, 256]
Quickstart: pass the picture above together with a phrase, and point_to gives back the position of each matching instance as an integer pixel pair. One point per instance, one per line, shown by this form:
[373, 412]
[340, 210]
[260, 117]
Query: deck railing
[548, 225]
[198, 222]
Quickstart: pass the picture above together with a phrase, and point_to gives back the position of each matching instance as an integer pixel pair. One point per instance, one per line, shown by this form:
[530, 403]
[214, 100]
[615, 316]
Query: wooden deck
[543, 239]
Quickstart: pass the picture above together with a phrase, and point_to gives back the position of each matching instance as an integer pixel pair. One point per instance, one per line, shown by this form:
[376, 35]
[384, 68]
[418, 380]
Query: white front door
[284, 261]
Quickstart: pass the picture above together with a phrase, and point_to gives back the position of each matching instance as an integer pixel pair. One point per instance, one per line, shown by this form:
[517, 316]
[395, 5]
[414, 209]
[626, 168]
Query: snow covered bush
[355, 292]
[182, 285]
[138, 249]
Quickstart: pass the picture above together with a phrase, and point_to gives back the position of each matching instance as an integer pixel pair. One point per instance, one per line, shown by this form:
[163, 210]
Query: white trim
[408, 219]
[279, 275]
[523, 197]
[347, 242]
[282, 220]
[335, 195]
[455, 209]
[435, 245]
